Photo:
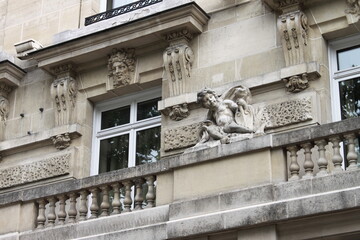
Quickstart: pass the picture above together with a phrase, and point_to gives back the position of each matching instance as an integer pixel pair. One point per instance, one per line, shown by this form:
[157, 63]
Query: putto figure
[121, 66]
[229, 116]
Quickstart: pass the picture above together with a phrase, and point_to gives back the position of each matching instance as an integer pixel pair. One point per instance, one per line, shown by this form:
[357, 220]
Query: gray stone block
[246, 197]
[292, 189]
[335, 182]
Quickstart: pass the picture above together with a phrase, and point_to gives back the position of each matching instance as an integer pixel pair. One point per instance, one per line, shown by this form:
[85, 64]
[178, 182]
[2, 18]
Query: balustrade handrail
[119, 11]
[276, 140]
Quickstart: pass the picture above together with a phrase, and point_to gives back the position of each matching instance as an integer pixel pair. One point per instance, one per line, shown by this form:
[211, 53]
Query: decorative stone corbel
[121, 66]
[64, 91]
[177, 112]
[178, 59]
[61, 141]
[353, 12]
[4, 102]
[293, 28]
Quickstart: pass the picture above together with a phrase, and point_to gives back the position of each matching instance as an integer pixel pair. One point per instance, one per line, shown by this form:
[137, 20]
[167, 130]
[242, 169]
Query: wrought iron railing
[120, 10]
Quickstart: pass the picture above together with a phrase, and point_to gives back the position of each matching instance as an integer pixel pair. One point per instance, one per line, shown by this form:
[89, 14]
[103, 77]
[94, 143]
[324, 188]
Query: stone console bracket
[177, 108]
[59, 136]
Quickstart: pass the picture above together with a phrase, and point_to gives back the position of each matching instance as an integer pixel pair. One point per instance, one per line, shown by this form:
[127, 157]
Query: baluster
[150, 195]
[308, 163]
[351, 155]
[72, 210]
[83, 209]
[322, 162]
[62, 213]
[294, 166]
[116, 204]
[127, 199]
[139, 199]
[41, 214]
[105, 204]
[336, 158]
[51, 216]
[94, 208]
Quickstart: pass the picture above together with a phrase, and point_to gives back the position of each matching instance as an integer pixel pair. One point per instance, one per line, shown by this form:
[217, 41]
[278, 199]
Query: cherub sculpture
[229, 115]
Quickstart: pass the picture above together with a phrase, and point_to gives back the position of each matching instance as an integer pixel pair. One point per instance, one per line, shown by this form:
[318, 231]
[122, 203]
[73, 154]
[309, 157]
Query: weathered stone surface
[181, 137]
[289, 112]
[46, 168]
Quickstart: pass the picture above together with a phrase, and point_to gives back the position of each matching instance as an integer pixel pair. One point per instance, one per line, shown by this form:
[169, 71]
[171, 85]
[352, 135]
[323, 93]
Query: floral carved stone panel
[182, 137]
[46, 168]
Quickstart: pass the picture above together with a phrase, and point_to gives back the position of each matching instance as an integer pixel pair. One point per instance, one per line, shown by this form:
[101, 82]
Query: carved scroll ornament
[121, 66]
[293, 29]
[4, 102]
[64, 91]
[178, 59]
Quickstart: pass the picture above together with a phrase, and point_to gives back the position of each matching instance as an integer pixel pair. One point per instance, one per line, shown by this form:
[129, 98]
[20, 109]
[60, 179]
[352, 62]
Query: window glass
[148, 145]
[114, 153]
[147, 109]
[349, 91]
[348, 58]
[115, 117]
[119, 3]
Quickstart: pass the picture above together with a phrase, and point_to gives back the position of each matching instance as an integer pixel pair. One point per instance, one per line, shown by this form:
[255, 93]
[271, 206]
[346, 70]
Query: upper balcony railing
[119, 11]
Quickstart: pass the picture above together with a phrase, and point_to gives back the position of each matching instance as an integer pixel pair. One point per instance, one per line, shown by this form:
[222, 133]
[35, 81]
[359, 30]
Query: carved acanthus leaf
[121, 66]
[4, 102]
[183, 34]
[178, 112]
[354, 7]
[61, 141]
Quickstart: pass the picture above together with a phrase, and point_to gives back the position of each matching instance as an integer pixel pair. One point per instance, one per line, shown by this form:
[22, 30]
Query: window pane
[147, 109]
[114, 153]
[350, 98]
[348, 58]
[115, 117]
[148, 145]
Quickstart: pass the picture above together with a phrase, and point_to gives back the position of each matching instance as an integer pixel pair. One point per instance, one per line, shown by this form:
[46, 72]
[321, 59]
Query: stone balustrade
[96, 201]
[327, 160]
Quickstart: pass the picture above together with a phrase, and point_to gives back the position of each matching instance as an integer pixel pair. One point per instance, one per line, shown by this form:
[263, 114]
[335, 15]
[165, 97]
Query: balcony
[300, 175]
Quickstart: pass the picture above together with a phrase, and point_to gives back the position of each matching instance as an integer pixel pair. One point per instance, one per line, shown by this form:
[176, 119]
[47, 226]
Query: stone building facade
[179, 119]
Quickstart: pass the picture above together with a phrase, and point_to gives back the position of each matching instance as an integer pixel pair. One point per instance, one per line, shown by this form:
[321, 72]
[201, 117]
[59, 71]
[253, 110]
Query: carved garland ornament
[64, 91]
[293, 28]
[61, 141]
[121, 66]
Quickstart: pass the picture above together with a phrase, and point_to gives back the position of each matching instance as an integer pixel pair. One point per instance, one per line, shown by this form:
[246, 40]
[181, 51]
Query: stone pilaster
[64, 91]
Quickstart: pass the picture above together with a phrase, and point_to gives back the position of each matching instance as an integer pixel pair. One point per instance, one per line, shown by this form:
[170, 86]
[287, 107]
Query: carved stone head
[121, 65]
[207, 98]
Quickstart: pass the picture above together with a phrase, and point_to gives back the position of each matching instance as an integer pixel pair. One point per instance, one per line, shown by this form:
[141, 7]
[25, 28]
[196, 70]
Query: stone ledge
[18, 144]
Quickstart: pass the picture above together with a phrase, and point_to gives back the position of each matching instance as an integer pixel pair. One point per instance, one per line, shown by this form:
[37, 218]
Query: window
[127, 132]
[111, 4]
[345, 79]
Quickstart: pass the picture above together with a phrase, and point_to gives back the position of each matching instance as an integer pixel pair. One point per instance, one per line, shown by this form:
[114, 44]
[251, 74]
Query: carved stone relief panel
[64, 92]
[181, 137]
[287, 113]
[121, 66]
[293, 28]
[35, 171]
[296, 83]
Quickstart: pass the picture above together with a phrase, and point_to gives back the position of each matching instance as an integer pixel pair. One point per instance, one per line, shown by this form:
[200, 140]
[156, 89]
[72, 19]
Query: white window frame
[103, 4]
[342, 75]
[131, 128]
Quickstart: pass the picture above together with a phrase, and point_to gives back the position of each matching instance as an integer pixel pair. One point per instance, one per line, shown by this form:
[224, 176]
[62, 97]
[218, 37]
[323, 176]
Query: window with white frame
[345, 79]
[127, 132]
[111, 4]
